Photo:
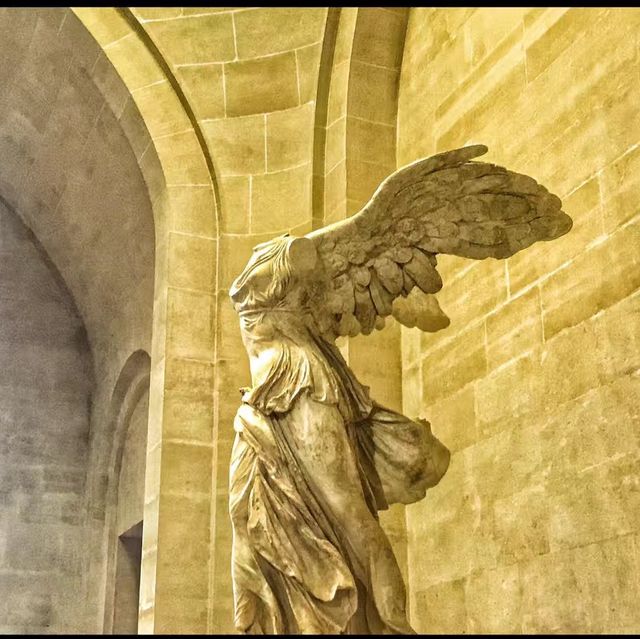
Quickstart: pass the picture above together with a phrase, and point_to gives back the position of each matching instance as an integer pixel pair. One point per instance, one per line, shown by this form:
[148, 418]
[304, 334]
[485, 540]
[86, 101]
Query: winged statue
[315, 458]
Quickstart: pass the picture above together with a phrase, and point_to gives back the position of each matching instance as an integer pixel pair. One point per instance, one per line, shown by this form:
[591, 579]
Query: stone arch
[370, 126]
[355, 143]
[181, 188]
[370, 156]
[354, 150]
[356, 113]
[264, 169]
[181, 177]
[372, 100]
[329, 160]
[132, 384]
[261, 133]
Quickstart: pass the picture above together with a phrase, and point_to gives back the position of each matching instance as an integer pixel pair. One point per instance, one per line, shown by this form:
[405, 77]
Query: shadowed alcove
[73, 198]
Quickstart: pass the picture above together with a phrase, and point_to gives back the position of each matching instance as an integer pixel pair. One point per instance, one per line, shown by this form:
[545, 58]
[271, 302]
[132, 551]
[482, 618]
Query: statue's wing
[375, 261]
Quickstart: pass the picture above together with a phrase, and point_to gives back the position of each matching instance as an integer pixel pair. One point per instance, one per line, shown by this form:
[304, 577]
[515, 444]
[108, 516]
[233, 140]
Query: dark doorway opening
[127, 590]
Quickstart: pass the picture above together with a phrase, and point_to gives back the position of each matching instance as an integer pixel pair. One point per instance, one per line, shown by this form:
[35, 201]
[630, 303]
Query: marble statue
[315, 458]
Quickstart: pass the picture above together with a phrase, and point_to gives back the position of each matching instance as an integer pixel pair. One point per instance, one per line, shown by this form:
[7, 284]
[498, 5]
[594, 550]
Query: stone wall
[130, 503]
[250, 78]
[232, 125]
[45, 385]
[71, 172]
[535, 386]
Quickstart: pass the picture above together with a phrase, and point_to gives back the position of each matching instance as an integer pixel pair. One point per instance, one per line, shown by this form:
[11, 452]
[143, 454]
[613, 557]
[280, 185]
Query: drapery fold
[294, 568]
[314, 461]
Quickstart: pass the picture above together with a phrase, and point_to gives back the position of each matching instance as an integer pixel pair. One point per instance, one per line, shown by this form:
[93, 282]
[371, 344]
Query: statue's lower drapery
[309, 555]
[314, 458]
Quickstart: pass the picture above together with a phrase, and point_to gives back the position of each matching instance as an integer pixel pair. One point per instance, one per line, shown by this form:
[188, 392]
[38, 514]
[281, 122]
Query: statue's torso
[288, 358]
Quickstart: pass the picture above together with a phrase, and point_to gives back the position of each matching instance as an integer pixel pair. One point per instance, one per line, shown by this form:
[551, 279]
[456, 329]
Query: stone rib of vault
[315, 458]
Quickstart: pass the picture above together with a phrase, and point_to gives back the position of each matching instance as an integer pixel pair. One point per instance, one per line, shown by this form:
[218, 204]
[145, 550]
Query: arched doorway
[130, 406]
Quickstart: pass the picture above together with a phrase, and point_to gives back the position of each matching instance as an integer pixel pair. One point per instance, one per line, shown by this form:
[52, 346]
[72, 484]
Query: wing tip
[476, 149]
[563, 225]
[465, 153]
[442, 159]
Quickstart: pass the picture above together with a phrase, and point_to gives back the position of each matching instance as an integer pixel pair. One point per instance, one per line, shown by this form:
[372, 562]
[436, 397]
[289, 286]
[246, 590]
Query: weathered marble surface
[315, 458]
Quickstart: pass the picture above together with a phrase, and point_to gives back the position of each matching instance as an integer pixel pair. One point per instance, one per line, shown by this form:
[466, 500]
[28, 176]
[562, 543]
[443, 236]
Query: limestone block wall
[535, 386]
[70, 172]
[45, 384]
[249, 76]
[130, 503]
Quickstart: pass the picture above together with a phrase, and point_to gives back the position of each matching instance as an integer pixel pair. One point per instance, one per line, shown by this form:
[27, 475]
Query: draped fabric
[302, 561]
[288, 570]
[295, 361]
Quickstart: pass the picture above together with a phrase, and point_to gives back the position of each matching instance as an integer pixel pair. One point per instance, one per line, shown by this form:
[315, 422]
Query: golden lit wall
[250, 77]
[227, 96]
[535, 386]
[245, 123]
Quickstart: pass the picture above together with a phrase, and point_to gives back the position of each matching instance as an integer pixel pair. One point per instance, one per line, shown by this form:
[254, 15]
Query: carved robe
[314, 458]
[313, 461]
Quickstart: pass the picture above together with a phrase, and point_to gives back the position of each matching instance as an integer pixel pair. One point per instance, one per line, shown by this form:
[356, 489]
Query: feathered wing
[382, 260]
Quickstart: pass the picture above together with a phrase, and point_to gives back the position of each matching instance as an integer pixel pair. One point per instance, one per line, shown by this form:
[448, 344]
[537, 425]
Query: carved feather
[390, 274]
[448, 203]
[423, 273]
[365, 311]
[382, 299]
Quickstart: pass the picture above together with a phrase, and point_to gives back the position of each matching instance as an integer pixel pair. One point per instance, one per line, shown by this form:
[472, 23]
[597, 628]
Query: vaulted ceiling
[70, 173]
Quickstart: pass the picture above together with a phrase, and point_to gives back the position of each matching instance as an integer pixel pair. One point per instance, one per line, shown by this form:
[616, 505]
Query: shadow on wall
[70, 170]
[46, 381]
[125, 494]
